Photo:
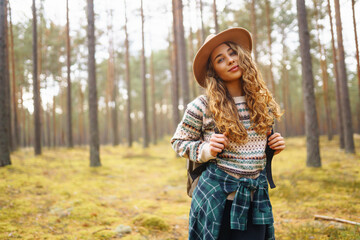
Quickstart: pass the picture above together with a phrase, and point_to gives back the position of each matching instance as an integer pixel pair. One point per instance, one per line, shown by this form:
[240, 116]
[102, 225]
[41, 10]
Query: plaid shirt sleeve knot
[209, 199]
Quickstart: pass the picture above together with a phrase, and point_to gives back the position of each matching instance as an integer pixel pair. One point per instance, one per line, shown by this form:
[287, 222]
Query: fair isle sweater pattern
[193, 135]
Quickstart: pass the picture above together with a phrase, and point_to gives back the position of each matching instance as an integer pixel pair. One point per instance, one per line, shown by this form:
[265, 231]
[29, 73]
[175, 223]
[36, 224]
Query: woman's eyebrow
[220, 54]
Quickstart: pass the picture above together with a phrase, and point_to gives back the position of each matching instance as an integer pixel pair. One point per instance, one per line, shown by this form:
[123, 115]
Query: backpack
[195, 169]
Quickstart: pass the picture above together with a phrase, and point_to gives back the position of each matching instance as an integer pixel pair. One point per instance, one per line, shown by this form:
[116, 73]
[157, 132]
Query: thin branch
[319, 217]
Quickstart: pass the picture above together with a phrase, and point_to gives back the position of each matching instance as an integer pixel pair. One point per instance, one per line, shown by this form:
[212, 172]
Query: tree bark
[16, 137]
[54, 122]
[93, 104]
[128, 85]
[69, 133]
[144, 85]
[357, 63]
[202, 22]
[337, 81]
[174, 71]
[311, 123]
[215, 17]
[4, 89]
[36, 89]
[344, 92]
[324, 74]
[254, 29]
[181, 53]
[113, 84]
[153, 100]
[268, 23]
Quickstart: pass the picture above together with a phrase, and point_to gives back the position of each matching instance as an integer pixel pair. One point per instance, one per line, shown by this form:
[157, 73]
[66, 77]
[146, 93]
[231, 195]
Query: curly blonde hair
[262, 106]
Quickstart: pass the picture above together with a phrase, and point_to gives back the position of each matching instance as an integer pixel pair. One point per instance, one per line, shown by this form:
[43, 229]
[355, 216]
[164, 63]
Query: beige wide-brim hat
[238, 35]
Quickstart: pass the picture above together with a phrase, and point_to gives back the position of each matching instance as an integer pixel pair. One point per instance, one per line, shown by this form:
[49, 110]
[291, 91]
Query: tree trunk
[174, 71]
[254, 29]
[311, 123]
[127, 71]
[16, 137]
[36, 90]
[82, 138]
[69, 133]
[324, 77]
[215, 17]
[143, 77]
[181, 52]
[113, 84]
[153, 101]
[54, 122]
[357, 63]
[93, 104]
[202, 22]
[4, 89]
[337, 81]
[268, 23]
[344, 92]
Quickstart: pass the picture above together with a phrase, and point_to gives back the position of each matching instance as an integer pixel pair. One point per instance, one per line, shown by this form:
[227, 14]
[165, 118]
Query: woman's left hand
[276, 142]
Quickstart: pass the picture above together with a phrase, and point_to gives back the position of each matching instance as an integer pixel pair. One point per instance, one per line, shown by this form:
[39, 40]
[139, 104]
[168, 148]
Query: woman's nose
[231, 60]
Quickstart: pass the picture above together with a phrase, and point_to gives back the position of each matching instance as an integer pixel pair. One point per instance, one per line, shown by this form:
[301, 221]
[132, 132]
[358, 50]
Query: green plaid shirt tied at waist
[208, 203]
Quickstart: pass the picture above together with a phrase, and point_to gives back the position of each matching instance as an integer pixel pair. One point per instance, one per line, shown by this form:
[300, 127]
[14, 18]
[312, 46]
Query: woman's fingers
[219, 138]
[277, 143]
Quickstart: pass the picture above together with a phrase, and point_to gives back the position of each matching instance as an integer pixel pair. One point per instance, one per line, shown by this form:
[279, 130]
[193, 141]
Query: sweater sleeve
[187, 140]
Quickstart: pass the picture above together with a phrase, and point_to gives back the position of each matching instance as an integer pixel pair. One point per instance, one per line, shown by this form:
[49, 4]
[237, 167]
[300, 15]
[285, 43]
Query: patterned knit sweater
[192, 137]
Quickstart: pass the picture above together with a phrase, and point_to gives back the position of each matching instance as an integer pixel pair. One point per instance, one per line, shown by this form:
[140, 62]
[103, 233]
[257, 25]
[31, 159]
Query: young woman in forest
[229, 128]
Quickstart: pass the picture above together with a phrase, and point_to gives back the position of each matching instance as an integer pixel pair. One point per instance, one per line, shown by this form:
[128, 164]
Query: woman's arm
[187, 140]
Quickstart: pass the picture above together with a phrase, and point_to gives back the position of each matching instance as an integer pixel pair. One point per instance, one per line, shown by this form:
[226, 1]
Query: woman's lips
[234, 69]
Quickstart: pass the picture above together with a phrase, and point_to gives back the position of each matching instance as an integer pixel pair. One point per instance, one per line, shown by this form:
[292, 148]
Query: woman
[231, 199]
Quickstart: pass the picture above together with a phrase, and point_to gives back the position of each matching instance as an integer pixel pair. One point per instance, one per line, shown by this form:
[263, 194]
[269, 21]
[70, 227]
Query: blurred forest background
[85, 74]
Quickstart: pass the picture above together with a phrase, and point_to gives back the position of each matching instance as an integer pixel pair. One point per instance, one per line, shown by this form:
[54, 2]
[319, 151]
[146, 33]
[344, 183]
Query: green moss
[151, 222]
[58, 196]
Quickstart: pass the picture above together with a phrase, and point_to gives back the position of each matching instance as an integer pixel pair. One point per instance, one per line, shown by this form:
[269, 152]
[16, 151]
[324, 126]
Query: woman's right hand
[217, 143]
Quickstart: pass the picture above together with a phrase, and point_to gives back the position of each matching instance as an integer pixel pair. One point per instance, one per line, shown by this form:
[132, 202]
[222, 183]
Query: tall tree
[36, 87]
[153, 100]
[202, 22]
[337, 79]
[16, 137]
[128, 86]
[144, 85]
[93, 104]
[268, 24]
[311, 123]
[215, 17]
[357, 62]
[181, 54]
[254, 29]
[174, 71]
[324, 74]
[69, 134]
[344, 92]
[113, 83]
[4, 89]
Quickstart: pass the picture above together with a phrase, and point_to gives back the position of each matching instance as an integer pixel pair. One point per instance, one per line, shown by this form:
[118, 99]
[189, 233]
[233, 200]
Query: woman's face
[226, 63]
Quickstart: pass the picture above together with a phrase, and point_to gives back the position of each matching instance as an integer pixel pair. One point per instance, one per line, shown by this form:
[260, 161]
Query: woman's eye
[220, 60]
[232, 53]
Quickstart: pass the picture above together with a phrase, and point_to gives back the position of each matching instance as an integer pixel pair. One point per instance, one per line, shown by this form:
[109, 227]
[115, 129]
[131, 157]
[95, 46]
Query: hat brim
[240, 36]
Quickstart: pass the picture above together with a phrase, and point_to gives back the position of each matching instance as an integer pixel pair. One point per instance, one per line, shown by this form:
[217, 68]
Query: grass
[58, 196]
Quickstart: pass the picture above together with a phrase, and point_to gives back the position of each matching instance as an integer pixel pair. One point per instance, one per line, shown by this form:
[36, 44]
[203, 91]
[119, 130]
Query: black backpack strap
[197, 171]
[269, 156]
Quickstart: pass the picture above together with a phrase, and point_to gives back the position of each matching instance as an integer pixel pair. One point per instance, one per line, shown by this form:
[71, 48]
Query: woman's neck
[234, 88]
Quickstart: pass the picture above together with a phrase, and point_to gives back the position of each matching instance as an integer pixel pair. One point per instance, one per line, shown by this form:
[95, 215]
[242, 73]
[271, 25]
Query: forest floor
[141, 194]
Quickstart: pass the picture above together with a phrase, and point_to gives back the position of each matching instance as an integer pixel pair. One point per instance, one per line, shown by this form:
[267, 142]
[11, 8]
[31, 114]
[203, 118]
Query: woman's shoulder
[199, 102]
